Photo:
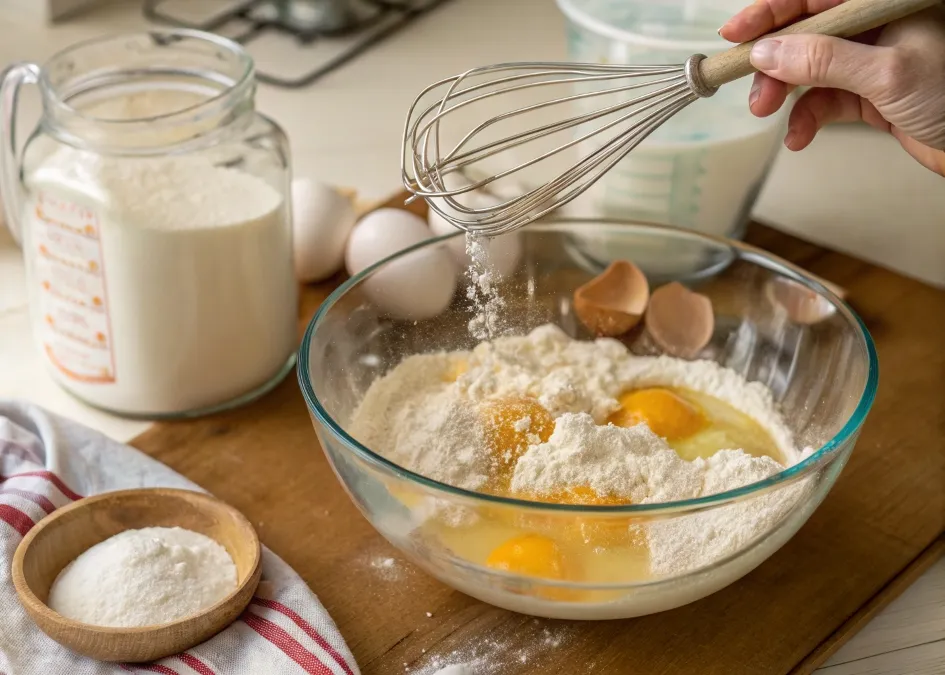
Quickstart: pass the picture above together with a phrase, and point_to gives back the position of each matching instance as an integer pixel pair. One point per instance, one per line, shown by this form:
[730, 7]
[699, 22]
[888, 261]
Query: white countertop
[853, 190]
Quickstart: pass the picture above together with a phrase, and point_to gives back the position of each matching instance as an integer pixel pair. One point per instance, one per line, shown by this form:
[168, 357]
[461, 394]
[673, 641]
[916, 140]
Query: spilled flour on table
[498, 655]
[386, 568]
[459, 669]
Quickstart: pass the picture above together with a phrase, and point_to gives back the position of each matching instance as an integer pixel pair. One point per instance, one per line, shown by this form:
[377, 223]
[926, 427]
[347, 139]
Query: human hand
[892, 78]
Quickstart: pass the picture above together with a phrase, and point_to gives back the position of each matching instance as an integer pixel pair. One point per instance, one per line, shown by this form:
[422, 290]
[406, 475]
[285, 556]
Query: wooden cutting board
[878, 529]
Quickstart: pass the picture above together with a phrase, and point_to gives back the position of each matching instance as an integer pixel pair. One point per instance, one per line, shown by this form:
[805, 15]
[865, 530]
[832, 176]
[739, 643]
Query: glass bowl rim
[742, 250]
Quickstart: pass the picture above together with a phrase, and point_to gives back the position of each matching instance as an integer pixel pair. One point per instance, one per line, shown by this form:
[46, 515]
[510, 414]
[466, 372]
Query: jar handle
[10, 81]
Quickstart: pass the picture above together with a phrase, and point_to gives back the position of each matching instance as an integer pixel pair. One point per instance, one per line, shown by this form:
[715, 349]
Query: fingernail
[789, 138]
[719, 31]
[764, 54]
[754, 93]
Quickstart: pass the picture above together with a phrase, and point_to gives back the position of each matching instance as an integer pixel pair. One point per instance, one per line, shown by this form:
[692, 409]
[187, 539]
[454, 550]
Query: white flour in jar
[418, 418]
[144, 577]
[160, 285]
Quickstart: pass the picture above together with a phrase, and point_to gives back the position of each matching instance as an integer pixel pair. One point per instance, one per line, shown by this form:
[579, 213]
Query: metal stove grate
[294, 42]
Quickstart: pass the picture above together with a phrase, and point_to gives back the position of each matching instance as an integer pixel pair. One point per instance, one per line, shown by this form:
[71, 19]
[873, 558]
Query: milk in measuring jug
[707, 185]
[703, 167]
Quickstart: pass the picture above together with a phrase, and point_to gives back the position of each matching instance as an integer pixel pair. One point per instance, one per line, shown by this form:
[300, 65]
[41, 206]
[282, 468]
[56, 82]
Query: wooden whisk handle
[845, 20]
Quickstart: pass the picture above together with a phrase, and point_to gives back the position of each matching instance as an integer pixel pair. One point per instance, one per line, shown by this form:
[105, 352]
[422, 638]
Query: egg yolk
[531, 555]
[595, 531]
[589, 530]
[581, 494]
[664, 412]
[456, 368]
[511, 425]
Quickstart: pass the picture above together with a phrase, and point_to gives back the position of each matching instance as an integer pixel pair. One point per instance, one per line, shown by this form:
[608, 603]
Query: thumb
[820, 61]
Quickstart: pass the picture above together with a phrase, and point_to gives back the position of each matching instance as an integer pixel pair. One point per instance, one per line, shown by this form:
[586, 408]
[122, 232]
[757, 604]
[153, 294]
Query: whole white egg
[322, 219]
[418, 286]
[504, 251]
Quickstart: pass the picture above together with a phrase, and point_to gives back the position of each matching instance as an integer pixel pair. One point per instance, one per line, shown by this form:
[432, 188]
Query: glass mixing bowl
[773, 324]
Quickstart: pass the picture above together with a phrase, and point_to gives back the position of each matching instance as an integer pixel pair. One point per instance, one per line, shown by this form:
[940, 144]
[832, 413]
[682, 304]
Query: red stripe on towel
[16, 519]
[307, 628]
[288, 644]
[48, 475]
[38, 499]
[195, 664]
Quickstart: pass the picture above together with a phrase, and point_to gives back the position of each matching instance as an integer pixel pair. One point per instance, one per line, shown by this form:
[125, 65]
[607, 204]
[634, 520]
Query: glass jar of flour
[151, 204]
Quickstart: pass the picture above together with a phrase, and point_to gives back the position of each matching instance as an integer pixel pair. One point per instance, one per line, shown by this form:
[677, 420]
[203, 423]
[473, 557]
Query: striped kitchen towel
[47, 462]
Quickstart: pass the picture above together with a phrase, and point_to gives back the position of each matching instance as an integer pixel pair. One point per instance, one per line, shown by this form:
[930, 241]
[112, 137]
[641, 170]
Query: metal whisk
[645, 97]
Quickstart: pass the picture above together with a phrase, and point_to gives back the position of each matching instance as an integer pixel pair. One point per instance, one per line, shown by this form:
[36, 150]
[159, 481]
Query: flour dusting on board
[457, 669]
[501, 655]
[388, 569]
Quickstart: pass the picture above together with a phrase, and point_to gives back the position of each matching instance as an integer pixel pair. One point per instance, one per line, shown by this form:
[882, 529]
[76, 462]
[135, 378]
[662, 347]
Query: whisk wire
[518, 139]
[487, 218]
[426, 169]
[597, 164]
[514, 141]
[611, 72]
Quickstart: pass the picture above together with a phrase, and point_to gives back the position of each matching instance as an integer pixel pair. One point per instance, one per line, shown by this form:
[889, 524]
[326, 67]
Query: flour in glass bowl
[159, 285]
[422, 415]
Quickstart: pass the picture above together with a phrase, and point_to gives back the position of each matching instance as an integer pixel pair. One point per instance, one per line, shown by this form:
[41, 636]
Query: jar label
[72, 299]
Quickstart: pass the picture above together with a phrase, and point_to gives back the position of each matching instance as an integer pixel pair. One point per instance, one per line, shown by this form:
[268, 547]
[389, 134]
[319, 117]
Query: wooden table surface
[886, 512]
[906, 638]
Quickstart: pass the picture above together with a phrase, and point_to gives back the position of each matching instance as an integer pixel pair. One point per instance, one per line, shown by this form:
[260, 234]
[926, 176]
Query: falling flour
[422, 418]
[482, 292]
[144, 577]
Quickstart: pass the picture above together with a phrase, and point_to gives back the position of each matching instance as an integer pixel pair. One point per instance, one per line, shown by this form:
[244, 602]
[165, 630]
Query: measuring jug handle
[10, 81]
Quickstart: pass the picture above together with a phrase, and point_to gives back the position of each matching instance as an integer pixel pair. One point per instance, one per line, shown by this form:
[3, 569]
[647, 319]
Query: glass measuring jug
[151, 204]
[702, 169]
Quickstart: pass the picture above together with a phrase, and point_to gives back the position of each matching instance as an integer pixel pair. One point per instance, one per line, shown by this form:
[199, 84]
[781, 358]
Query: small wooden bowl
[62, 536]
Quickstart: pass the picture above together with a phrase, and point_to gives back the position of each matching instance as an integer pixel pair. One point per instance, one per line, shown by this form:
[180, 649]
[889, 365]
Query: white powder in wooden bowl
[144, 577]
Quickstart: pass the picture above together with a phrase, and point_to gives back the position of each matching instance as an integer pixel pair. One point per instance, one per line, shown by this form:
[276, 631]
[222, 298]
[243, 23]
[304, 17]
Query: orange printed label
[73, 300]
